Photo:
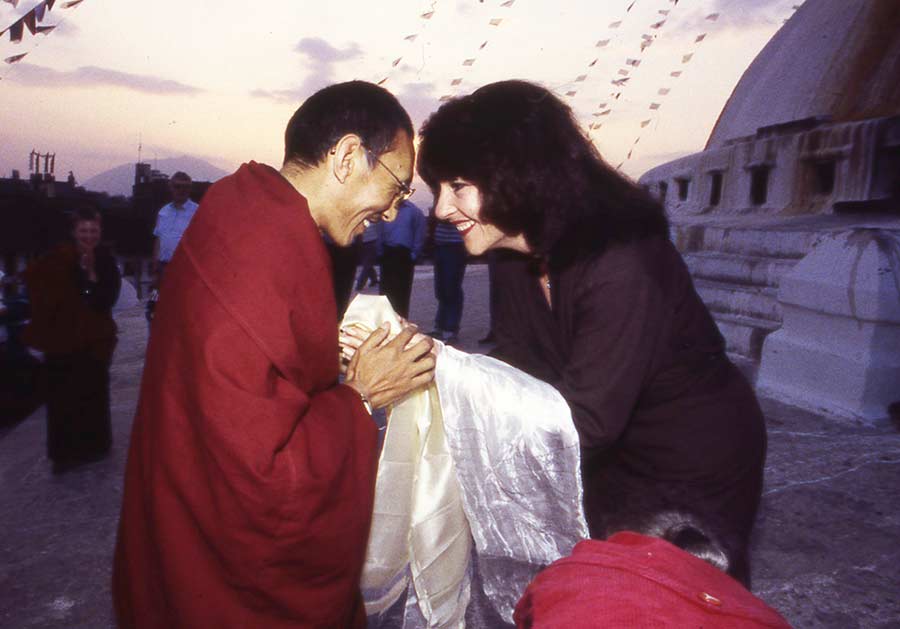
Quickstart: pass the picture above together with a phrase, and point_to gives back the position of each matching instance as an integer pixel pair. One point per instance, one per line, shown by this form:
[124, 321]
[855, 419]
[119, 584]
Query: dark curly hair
[538, 173]
[369, 111]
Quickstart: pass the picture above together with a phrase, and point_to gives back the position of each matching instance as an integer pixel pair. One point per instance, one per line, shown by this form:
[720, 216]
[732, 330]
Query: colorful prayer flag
[15, 58]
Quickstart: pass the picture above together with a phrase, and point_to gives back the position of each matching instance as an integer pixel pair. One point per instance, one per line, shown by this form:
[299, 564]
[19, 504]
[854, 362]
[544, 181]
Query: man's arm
[154, 265]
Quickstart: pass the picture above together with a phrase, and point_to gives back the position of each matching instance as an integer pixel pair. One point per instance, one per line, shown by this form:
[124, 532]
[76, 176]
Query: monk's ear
[345, 156]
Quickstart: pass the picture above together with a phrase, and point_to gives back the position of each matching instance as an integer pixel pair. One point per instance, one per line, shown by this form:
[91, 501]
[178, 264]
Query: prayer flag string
[424, 20]
[470, 62]
[31, 21]
[655, 106]
[624, 75]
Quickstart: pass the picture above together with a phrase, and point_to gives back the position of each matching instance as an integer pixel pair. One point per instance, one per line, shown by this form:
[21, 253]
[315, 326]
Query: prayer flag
[411, 37]
[593, 63]
[629, 153]
[601, 105]
[580, 78]
[445, 98]
[658, 25]
[700, 38]
[427, 16]
[663, 91]
[602, 43]
[644, 123]
[712, 17]
[633, 62]
[483, 44]
[396, 61]
[44, 30]
[495, 21]
[687, 57]
[654, 106]
[15, 3]
[623, 72]
[508, 3]
[646, 44]
[630, 5]
[571, 93]
[619, 82]
[30, 21]
[382, 81]
[72, 4]
[15, 31]
[469, 62]
[676, 73]
[663, 11]
[605, 113]
[15, 58]
[615, 24]
[455, 82]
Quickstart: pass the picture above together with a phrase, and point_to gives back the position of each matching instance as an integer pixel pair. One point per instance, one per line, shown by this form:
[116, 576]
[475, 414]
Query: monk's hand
[386, 370]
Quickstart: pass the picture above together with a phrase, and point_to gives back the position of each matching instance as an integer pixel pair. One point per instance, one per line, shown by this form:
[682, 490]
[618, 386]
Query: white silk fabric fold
[484, 454]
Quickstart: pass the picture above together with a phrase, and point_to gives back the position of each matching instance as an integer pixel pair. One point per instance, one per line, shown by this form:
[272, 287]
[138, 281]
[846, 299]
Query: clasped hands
[386, 368]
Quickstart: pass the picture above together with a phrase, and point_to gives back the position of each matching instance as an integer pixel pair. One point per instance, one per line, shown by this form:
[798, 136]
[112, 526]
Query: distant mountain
[119, 180]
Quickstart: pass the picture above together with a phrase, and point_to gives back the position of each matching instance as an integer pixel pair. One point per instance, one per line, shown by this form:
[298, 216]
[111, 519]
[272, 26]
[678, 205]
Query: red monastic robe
[250, 478]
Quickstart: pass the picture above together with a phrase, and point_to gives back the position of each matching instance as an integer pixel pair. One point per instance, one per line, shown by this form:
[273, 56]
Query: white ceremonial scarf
[485, 453]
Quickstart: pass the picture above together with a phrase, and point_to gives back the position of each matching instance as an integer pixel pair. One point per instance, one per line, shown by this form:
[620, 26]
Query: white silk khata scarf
[484, 454]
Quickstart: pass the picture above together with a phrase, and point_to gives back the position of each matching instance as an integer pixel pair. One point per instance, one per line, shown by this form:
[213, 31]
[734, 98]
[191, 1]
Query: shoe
[451, 338]
[490, 338]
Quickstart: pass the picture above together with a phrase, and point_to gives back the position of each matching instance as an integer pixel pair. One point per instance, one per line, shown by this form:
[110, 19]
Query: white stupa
[790, 217]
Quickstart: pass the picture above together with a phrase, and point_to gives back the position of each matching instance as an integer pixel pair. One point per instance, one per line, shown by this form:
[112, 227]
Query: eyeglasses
[405, 191]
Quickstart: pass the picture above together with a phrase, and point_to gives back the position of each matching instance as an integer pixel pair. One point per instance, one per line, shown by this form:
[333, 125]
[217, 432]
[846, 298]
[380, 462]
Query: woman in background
[72, 291]
[599, 304]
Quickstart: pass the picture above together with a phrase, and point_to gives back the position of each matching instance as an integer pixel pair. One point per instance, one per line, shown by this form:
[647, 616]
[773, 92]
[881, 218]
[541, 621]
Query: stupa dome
[836, 60]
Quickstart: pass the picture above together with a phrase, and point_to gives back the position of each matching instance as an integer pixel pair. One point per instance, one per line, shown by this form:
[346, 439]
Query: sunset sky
[219, 79]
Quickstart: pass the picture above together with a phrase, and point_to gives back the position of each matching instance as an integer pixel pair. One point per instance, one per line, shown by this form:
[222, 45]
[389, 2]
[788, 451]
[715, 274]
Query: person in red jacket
[250, 479]
[72, 290]
[671, 574]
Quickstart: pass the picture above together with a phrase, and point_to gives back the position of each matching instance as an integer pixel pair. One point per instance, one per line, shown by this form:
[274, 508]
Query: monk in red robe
[250, 478]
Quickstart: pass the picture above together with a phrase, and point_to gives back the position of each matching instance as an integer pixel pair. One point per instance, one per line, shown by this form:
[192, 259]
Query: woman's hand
[386, 370]
[353, 335]
[86, 260]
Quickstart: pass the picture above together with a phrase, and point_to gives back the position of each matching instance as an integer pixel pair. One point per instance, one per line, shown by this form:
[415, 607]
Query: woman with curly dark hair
[593, 298]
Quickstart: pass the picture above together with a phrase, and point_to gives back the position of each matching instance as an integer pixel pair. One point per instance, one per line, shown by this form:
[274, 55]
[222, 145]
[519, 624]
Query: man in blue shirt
[399, 244]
